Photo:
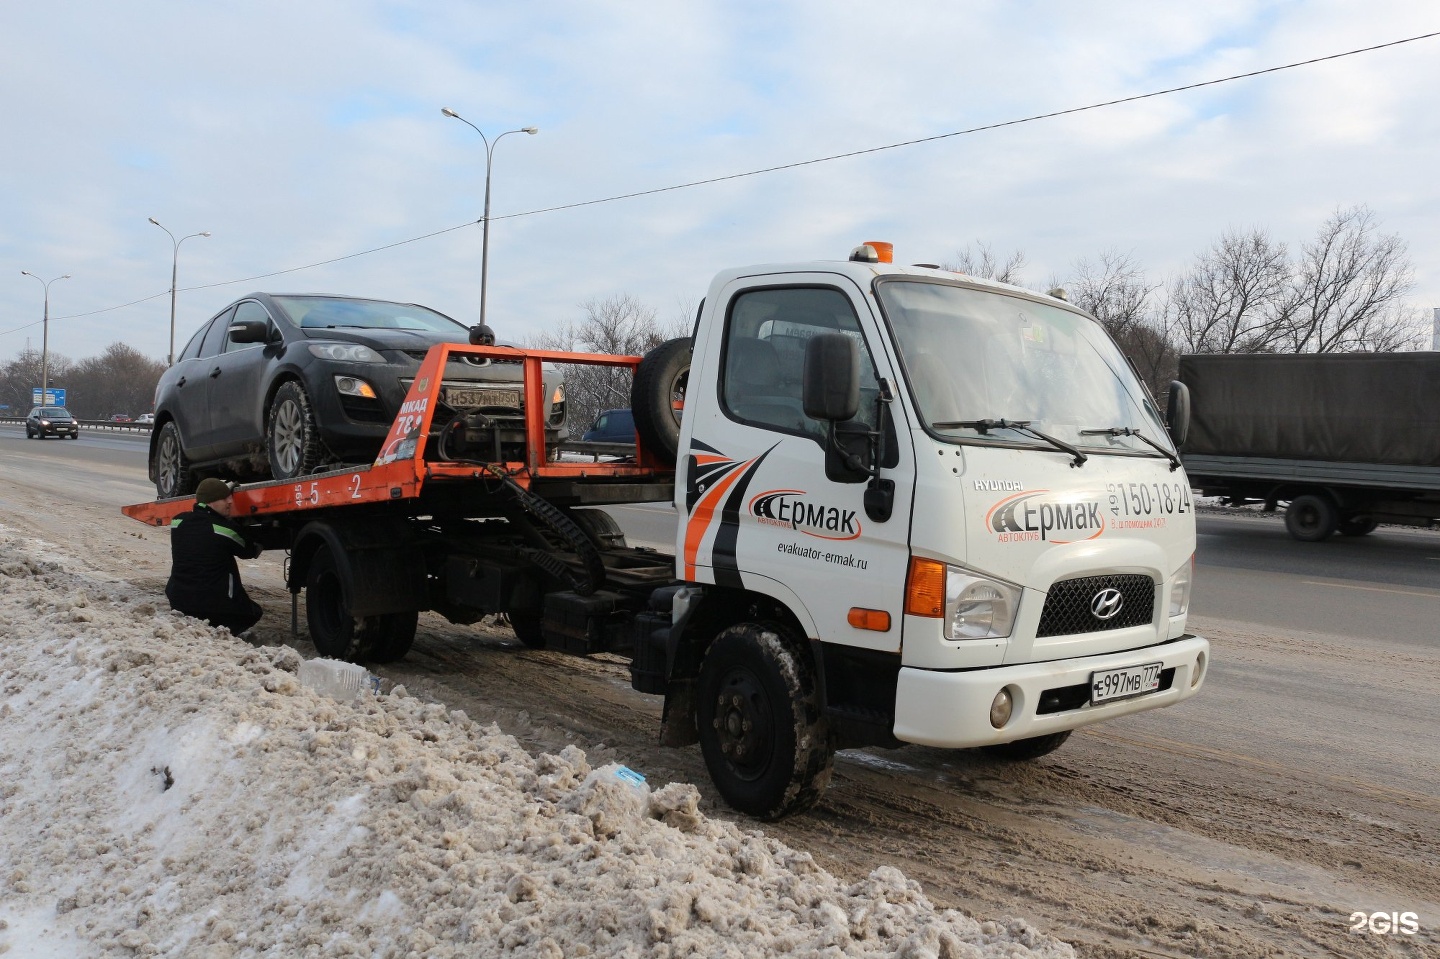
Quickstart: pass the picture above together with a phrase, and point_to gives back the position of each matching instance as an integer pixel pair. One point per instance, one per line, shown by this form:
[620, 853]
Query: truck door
[759, 512]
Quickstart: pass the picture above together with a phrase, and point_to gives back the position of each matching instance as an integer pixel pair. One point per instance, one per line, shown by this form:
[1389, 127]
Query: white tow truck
[912, 507]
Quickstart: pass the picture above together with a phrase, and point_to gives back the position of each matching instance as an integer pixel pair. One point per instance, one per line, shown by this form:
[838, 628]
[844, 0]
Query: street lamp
[489, 158]
[174, 269]
[45, 337]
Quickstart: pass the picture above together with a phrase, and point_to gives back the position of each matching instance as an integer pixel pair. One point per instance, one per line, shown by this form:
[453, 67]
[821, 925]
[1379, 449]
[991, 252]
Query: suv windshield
[55, 411]
[320, 312]
[975, 357]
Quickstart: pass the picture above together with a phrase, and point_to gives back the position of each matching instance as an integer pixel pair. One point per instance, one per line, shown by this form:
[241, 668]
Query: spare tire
[657, 397]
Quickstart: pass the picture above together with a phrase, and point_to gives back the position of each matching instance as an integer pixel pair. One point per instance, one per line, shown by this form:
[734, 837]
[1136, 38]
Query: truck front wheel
[1311, 517]
[763, 732]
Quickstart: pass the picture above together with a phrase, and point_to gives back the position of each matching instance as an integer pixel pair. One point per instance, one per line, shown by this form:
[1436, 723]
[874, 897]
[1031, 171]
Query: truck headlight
[1180, 582]
[346, 352]
[977, 607]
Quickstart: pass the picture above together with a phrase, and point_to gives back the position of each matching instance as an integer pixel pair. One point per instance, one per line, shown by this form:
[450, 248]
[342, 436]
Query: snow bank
[166, 789]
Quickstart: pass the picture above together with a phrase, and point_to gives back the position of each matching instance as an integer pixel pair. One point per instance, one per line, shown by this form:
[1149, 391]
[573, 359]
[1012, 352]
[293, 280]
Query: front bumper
[952, 708]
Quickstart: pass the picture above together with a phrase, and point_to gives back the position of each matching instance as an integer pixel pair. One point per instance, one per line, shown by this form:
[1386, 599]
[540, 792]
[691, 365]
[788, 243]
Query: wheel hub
[742, 720]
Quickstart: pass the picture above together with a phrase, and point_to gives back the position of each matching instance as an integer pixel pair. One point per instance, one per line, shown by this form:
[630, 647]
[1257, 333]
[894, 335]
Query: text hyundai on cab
[286, 385]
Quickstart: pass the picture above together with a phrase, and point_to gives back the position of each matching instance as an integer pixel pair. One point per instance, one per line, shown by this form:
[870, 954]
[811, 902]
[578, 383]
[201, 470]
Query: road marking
[1372, 589]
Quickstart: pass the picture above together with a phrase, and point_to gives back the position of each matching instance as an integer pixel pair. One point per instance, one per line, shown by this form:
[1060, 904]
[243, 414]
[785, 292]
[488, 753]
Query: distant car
[612, 426]
[46, 421]
[281, 386]
[120, 418]
[145, 418]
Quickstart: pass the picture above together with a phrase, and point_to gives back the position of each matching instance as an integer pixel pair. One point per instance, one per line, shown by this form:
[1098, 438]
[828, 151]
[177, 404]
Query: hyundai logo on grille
[1106, 603]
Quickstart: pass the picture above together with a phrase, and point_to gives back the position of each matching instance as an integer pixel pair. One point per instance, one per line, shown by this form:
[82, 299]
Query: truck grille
[1068, 604]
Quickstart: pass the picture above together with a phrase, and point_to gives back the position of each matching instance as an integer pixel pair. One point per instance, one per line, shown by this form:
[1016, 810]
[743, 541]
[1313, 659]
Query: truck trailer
[1345, 441]
[911, 507]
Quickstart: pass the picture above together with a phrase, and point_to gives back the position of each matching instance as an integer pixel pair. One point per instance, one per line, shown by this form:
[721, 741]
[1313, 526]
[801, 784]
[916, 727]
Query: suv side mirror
[249, 331]
[830, 387]
[1177, 412]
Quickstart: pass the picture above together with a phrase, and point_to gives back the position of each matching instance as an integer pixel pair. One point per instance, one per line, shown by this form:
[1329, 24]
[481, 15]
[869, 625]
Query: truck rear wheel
[763, 731]
[338, 633]
[1023, 749]
[657, 397]
[1311, 517]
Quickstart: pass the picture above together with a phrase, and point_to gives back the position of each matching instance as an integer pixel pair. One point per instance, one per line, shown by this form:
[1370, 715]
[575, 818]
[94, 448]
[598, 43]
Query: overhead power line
[776, 169]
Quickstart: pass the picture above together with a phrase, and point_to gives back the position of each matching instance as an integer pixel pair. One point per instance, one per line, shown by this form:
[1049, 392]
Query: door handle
[215, 372]
[180, 382]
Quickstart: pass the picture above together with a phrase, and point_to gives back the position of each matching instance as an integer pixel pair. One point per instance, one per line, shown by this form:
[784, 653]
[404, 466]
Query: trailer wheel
[173, 476]
[763, 732]
[1023, 749]
[1359, 525]
[1310, 518]
[657, 397]
[292, 438]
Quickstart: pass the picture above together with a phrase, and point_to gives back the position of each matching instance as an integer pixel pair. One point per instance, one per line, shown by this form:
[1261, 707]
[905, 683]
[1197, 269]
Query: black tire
[1023, 749]
[333, 628]
[657, 397]
[173, 475]
[1358, 525]
[527, 628]
[1311, 517]
[765, 738]
[389, 636]
[600, 526]
[292, 438]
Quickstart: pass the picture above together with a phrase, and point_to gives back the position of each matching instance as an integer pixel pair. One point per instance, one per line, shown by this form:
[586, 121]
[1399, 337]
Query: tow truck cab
[930, 509]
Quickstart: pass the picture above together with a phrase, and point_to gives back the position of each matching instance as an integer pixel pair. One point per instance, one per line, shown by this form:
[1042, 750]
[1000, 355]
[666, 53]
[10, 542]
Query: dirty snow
[167, 789]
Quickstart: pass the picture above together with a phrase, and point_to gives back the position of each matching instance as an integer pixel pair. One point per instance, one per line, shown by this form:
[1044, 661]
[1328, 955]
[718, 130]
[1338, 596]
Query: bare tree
[983, 263]
[1114, 289]
[119, 380]
[1347, 291]
[1235, 298]
[22, 375]
[618, 325]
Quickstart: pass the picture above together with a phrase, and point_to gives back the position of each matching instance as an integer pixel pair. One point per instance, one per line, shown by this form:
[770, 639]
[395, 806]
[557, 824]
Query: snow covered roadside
[166, 789]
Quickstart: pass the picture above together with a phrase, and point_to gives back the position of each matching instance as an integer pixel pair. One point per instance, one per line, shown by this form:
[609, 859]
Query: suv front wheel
[292, 437]
[173, 476]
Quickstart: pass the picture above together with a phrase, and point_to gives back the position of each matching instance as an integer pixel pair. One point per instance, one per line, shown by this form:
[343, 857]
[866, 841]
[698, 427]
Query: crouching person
[204, 577]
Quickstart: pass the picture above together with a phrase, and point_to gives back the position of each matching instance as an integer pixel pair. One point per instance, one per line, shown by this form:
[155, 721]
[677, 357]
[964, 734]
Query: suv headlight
[977, 607]
[1180, 582]
[346, 352]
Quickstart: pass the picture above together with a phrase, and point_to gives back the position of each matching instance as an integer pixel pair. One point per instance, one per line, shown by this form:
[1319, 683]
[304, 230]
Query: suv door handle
[180, 382]
[215, 372]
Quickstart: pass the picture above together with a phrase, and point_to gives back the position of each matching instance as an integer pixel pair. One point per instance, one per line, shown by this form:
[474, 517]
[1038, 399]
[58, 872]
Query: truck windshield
[974, 358]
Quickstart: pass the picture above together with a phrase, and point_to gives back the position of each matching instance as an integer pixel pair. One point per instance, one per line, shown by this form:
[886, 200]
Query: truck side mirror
[1177, 412]
[830, 387]
[249, 331]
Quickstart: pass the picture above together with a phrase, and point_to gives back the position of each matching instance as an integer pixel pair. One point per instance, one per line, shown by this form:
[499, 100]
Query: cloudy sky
[304, 132]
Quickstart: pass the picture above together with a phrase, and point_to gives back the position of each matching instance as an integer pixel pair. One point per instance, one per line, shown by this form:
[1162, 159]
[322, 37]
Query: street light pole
[174, 271]
[485, 235]
[45, 336]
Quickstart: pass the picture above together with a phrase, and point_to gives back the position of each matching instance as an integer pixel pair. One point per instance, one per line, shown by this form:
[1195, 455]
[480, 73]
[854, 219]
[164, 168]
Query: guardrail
[96, 425]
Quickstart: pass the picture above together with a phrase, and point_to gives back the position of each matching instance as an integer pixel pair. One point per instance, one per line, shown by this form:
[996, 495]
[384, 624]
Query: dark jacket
[204, 578]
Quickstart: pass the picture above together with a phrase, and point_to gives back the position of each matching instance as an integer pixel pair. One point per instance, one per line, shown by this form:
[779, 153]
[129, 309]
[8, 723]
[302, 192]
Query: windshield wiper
[1131, 431]
[1023, 426]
